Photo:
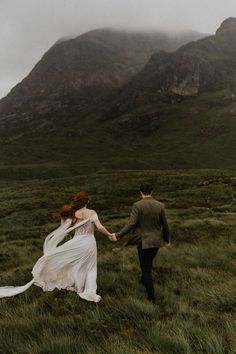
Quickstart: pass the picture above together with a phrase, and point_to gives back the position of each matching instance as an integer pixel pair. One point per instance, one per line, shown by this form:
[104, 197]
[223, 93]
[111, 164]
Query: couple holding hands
[72, 265]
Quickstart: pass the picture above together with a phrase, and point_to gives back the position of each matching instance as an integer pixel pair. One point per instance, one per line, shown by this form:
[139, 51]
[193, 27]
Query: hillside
[49, 115]
[77, 75]
[177, 111]
[181, 107]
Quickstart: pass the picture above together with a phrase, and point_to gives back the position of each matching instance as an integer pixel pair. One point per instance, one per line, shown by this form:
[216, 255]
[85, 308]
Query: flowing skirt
[71, 266]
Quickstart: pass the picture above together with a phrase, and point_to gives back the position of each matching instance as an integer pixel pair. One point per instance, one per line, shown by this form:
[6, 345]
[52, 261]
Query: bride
[73, 264]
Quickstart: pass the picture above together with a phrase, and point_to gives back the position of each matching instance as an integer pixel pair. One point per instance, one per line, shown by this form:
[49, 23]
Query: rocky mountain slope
[206, 65]
[180, 109]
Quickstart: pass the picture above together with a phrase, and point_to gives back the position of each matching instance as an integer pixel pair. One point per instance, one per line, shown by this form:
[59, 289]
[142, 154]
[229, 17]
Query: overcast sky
[29, 27]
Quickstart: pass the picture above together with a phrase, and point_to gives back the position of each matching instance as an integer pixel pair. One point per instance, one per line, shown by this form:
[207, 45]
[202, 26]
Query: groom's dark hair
[146, 188]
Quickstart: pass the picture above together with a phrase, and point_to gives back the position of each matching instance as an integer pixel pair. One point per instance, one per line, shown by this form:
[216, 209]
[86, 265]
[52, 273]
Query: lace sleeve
[94, 217]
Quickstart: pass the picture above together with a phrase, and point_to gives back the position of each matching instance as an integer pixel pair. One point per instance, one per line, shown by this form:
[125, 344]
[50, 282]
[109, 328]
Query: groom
[149, 224]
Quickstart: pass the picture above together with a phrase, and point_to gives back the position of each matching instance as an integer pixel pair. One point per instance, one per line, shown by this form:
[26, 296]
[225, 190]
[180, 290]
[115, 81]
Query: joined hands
[112, 237]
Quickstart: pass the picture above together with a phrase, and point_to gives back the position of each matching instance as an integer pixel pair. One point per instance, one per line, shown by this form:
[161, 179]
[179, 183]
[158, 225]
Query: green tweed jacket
[148, 223]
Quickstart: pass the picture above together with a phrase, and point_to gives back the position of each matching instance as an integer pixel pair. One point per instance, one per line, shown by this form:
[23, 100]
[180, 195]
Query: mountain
[161, 109]
[182, 105]
[206, 65]
[76, 75]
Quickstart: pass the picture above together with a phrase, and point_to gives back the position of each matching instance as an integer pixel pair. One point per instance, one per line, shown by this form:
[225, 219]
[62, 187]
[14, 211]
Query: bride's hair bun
[80, 200]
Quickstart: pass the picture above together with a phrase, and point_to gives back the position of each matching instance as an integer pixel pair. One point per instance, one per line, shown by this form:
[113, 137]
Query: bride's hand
[112, 237]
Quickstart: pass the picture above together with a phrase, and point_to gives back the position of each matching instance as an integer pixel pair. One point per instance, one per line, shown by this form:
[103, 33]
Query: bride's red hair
[81, 199]
[67, 212]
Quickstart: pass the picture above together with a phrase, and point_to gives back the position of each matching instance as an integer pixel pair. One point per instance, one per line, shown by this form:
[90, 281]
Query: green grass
[194, 280]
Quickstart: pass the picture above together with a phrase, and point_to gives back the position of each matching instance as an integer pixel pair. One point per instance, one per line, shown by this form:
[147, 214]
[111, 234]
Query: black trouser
[146, 258]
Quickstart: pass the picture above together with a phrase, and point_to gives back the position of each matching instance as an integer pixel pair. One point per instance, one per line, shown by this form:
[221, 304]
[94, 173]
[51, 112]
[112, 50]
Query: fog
[29, 27]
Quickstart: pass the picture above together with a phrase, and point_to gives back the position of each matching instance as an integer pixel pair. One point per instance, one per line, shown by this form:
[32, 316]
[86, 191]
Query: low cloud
[29, 27]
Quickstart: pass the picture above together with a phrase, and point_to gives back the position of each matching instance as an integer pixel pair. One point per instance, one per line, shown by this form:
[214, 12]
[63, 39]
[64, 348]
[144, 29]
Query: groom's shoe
[152, 300]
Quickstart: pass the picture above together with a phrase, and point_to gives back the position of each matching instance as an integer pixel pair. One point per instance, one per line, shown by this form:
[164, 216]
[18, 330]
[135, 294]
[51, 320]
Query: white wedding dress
[71, 266]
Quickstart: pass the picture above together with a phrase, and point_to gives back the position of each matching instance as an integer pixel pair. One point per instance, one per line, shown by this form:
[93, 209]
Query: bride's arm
[102, 228]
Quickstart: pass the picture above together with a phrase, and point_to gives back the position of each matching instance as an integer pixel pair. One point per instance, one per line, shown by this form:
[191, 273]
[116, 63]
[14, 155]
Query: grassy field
[198, 132]
[194, 280]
